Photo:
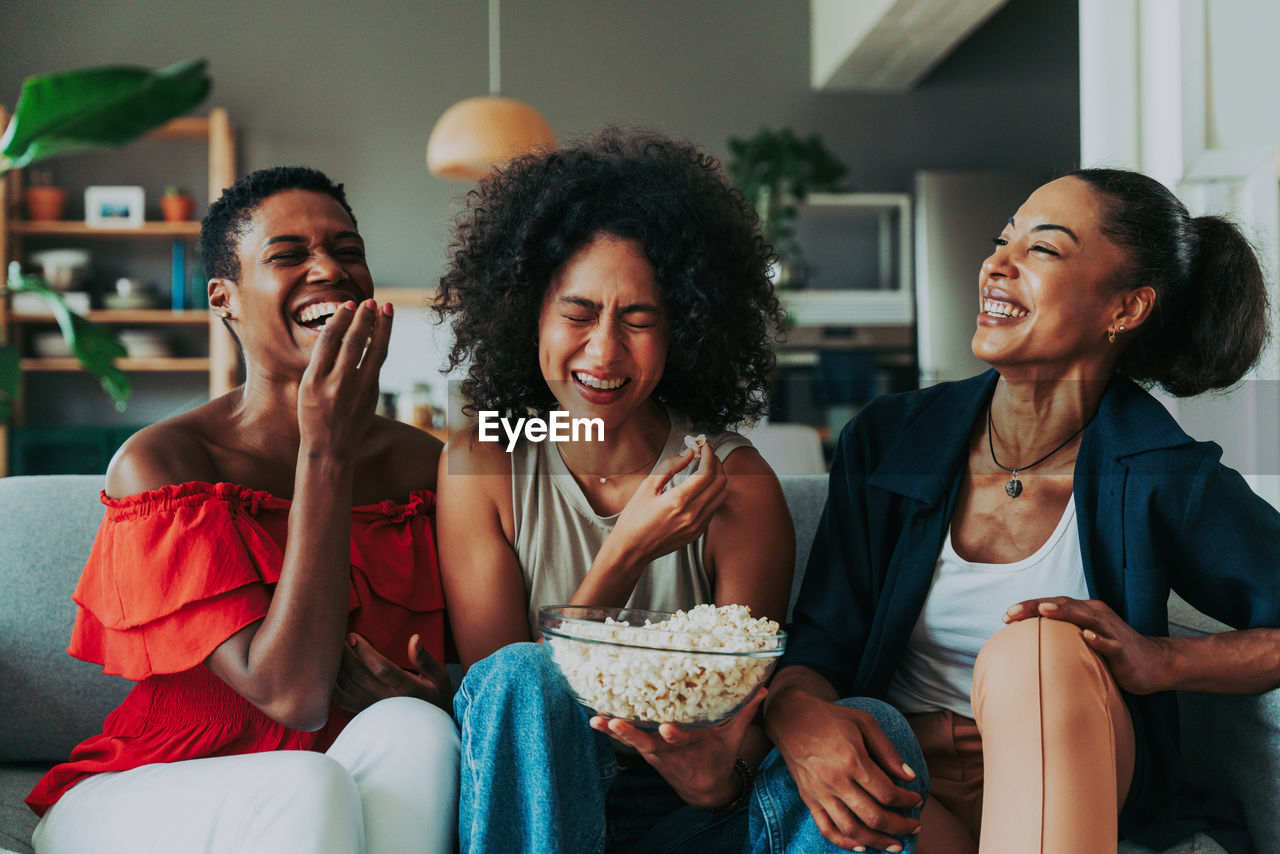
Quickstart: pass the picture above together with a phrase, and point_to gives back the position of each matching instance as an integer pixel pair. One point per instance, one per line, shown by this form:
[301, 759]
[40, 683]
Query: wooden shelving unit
[220, 365]
[158, 364]
[79, 229]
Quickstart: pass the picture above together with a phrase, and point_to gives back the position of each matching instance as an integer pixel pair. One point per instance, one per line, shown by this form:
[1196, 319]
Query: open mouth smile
[598, 383]
[1001, 309]
[316, 315]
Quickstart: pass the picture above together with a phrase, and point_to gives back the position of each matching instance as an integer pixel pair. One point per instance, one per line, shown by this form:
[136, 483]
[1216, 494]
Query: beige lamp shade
[477, 134]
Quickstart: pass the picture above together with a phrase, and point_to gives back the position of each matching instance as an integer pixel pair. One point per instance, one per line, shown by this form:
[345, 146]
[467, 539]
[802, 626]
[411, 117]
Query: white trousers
[388, 785]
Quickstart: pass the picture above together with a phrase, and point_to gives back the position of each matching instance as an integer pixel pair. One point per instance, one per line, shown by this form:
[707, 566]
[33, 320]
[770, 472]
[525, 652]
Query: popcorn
[675, 670]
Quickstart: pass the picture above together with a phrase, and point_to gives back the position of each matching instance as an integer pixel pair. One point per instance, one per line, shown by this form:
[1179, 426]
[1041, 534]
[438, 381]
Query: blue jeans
[536, 777]
[780, 822]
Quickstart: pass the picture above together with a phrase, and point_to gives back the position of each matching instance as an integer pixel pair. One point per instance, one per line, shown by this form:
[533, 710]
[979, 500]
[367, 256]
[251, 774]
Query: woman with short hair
[266, 573]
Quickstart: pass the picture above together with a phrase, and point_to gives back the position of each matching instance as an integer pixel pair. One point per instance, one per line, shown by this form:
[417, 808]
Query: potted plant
[77, 111]
[176, 204]
[775, 170]
[45, 202]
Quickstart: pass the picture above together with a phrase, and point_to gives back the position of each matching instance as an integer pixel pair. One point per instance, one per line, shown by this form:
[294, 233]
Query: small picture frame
[114, 207]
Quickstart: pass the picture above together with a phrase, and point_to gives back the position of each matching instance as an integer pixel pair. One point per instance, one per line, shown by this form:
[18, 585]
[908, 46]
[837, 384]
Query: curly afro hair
[229, 216]
[526, 220]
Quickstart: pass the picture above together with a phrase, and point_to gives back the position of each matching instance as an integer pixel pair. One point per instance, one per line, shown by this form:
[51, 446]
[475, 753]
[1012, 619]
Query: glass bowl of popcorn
[693, 668]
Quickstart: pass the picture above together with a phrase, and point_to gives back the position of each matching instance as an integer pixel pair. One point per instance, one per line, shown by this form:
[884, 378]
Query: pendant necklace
[603, 478]
[1014, 487]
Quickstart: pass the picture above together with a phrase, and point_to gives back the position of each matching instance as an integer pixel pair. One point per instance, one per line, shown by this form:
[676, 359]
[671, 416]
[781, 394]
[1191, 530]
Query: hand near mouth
[339, 389]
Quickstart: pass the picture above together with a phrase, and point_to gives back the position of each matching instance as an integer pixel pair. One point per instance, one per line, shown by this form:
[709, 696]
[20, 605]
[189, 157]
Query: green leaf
[89, 108]
[96, 347]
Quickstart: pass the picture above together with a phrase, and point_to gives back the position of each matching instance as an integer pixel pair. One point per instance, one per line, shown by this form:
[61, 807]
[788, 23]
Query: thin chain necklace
[1014, 487]
[604, 478]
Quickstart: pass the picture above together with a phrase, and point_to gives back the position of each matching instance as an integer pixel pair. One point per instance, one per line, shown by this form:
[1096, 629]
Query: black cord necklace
[1014, 487]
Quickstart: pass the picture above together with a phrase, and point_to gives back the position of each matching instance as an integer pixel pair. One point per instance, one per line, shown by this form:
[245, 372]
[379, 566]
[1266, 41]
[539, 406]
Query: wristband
[747, 776]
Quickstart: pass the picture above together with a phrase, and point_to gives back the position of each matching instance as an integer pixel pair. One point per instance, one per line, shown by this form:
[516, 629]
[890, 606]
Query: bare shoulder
[465, 454]
[168, 452]
[746, 460]
[756, 502]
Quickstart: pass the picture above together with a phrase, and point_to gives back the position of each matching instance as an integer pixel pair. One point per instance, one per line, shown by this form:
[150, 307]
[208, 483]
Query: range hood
[886, 45]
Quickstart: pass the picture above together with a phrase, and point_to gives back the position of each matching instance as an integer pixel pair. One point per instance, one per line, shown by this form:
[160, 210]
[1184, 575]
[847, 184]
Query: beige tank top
[558, 534]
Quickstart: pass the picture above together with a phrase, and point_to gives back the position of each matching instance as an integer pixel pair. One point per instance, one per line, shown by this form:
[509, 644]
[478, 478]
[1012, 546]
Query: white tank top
[966, 606]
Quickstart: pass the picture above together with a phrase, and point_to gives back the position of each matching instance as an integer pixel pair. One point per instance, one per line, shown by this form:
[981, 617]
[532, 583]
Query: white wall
[1182, 90]
[1244, 65]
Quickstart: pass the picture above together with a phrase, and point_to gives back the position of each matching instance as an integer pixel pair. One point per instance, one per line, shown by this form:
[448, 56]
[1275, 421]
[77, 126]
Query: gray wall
[353, 88]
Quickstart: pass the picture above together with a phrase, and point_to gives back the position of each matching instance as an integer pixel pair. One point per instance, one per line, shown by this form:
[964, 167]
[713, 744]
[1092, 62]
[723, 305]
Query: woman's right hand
[655, 523]
[844, 767]
[339, 389]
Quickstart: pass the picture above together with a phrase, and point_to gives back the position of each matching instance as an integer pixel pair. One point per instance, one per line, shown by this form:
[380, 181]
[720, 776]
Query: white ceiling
[887, 45]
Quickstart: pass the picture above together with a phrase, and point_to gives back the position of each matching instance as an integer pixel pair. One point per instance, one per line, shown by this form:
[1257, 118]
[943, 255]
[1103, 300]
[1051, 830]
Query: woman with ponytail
[996, 555]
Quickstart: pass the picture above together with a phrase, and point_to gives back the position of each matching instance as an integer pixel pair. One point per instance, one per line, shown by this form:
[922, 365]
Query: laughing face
[603, 331]
[1047, 295]
[300, 258]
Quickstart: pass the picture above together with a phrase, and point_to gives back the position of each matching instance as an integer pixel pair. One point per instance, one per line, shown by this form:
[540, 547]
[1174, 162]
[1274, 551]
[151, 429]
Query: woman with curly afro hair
[621, 279]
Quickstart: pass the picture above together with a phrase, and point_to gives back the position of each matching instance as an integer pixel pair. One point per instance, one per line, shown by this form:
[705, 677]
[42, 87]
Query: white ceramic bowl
[50, 345]
[143, 344]
[650, 676]
[64, 269]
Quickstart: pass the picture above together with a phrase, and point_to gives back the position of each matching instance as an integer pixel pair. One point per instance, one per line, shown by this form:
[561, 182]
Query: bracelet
[747, 776]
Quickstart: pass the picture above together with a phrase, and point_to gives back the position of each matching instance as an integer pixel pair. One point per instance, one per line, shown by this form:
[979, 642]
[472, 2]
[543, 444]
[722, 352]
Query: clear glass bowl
[646, 676]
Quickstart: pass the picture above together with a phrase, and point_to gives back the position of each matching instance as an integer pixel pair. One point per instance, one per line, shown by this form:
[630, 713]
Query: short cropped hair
[229, 216]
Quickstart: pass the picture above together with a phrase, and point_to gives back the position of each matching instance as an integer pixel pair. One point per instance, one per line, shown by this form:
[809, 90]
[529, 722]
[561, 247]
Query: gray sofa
[50, 701]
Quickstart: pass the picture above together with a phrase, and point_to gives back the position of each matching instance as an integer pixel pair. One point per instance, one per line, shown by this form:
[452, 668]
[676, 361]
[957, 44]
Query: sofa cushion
[806, 495]
[16, 821]
[51, 701]
[1232, 740]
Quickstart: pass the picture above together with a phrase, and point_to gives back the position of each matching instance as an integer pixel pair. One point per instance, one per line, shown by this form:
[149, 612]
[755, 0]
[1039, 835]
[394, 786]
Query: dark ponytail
[1209, 322]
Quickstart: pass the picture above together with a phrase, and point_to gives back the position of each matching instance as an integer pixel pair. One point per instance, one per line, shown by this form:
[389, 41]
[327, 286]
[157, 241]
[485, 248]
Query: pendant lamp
[477, 134]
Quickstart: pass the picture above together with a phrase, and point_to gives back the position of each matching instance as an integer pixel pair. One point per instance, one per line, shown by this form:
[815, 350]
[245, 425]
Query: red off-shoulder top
[176, 571]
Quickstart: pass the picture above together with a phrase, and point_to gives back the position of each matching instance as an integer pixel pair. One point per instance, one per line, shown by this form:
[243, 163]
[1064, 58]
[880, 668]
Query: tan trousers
[1048, 762]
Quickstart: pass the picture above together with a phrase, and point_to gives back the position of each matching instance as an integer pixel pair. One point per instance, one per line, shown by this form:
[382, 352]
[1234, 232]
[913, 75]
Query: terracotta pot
[44, 203]
[177, 208]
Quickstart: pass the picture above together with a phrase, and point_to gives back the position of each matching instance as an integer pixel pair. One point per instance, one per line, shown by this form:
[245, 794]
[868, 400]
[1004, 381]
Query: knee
[314, 785]
[517, 665]
[315, 804]
[889, 718]
[513, 662]
[1028, 647]
[1014, 663]
[415, 726]
[895, 727]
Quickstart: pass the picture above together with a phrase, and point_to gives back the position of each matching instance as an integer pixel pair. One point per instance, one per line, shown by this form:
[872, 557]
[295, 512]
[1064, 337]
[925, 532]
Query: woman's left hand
[697, 762]
[1138, 663]
[367, 676]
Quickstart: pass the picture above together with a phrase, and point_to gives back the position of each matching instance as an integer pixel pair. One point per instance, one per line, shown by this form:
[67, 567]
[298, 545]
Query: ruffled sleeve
[173, 573]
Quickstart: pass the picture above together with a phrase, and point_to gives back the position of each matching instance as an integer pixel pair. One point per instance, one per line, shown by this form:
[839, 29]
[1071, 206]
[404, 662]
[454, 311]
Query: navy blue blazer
[1155, 509]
